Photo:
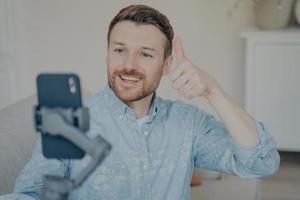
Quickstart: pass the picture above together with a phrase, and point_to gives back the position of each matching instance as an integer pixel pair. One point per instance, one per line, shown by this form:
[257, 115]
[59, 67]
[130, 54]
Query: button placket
[142, 143]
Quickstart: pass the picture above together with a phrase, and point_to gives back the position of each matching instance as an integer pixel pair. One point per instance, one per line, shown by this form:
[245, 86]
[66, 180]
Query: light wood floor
[285, 184]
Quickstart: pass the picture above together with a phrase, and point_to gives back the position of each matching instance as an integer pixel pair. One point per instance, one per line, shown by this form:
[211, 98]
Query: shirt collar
[124, 111]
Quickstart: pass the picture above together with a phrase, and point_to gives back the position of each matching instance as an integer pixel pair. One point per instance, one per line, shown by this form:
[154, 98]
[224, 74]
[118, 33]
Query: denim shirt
[155, 161]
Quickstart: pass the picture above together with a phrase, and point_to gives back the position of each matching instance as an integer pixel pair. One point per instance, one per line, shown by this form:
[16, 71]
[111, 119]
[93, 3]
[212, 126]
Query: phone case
[59, 90]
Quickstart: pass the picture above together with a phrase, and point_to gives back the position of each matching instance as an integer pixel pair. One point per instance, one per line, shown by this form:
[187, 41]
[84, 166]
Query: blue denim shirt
[156, 161]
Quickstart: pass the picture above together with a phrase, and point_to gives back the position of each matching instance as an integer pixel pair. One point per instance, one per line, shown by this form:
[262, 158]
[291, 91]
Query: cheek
[111, 68]
[113, 62]
[154, 72]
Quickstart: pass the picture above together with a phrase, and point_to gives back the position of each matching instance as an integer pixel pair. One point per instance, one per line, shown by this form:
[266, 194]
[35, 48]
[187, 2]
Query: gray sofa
[17, 138]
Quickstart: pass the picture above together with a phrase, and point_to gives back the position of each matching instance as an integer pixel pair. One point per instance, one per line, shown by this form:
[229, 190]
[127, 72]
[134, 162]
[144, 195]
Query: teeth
[129, 78]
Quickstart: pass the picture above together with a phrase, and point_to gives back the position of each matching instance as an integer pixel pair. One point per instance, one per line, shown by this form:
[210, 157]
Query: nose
[130, 62]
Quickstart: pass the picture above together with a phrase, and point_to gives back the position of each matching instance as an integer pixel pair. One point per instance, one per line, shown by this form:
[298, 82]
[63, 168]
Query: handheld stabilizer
[60, 122]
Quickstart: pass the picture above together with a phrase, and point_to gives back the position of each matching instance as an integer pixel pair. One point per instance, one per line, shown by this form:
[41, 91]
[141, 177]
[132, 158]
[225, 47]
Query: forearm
[30, 179]
[16, 196]
[240, 125]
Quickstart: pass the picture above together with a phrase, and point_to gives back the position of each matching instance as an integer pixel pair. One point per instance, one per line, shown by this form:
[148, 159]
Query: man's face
[135, 60]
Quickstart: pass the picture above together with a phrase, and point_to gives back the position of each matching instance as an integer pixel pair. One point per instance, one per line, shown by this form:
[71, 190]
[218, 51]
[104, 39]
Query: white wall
[70, 36]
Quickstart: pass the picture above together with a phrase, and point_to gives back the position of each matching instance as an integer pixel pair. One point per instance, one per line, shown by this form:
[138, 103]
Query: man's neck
[141, 107]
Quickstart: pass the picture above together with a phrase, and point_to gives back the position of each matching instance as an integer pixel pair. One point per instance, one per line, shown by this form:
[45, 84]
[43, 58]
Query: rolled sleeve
[215, 150]
[261, 160]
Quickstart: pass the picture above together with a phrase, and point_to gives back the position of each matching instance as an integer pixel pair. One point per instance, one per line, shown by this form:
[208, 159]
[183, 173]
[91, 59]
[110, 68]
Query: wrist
[215, 94]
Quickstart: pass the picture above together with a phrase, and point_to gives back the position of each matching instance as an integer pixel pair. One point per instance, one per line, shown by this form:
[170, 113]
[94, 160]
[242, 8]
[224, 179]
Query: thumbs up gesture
[189, 80]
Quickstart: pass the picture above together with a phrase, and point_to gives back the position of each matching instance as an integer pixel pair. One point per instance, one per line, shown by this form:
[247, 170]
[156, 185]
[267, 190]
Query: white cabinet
[272, 87]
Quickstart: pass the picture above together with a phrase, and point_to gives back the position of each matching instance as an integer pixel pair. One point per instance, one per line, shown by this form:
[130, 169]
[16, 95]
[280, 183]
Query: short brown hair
[142, 14]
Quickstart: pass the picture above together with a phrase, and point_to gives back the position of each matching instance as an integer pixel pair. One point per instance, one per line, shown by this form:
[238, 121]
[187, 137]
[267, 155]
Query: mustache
[131, 72]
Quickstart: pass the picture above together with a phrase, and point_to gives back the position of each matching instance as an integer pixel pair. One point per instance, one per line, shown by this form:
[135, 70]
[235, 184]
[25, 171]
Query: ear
[167, 65]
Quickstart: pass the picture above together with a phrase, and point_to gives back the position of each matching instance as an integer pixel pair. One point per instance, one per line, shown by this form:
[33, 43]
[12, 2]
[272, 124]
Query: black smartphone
[59, 91]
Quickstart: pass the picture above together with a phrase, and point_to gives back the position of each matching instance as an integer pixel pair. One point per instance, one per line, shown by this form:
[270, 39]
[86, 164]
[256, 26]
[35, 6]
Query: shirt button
[144, 166]
[146, 133]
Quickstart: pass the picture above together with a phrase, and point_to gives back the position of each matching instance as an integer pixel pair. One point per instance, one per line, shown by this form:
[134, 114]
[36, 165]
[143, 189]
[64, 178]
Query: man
[157, 143]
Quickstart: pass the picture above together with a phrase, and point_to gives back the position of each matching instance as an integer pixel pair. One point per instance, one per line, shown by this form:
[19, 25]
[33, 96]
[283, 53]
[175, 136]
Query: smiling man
[136, 63]
[156, 142]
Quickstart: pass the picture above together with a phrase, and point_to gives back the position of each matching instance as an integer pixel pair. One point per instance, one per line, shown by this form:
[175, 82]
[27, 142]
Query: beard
[136, 90]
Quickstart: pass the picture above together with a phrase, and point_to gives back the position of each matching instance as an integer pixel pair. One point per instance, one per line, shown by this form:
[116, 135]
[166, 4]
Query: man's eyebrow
[118, 43]
[148, 48]
[143, 47]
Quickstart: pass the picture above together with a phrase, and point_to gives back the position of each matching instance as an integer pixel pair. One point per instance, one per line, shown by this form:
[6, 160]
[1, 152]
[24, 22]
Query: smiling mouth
[129, 78]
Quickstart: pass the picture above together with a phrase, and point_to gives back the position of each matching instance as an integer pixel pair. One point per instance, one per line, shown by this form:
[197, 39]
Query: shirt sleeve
[16, 196]
[215, 150]
[29, 183]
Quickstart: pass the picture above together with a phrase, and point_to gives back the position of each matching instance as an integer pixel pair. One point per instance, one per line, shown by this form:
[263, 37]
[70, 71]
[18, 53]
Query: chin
[128, 96]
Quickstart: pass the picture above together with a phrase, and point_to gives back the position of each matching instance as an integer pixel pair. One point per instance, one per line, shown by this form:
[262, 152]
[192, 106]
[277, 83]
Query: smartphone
[59, 91]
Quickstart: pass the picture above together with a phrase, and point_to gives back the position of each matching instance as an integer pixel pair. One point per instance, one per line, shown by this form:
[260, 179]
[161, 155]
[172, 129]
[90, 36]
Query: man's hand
[189, 80]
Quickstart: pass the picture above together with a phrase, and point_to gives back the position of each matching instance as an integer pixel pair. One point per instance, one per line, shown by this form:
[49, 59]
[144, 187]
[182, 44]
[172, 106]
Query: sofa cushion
[17, 138]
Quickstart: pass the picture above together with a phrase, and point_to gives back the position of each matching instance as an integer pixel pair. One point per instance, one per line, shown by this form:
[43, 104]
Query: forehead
[138, 35]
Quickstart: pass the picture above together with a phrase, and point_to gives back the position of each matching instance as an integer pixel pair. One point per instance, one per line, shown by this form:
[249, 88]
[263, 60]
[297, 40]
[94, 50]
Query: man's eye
[146, 55]
[119, 50]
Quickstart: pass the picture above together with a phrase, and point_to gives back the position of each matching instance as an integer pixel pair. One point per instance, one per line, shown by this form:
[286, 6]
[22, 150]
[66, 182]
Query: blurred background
[252, 47]
[70, 36]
